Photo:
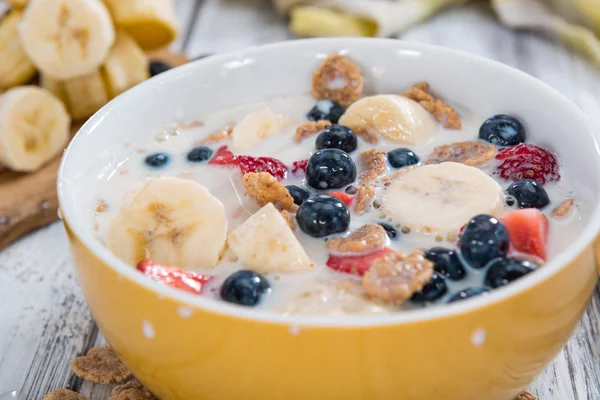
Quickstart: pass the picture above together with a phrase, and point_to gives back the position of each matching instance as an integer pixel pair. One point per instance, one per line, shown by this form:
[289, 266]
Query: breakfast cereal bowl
[400, 335]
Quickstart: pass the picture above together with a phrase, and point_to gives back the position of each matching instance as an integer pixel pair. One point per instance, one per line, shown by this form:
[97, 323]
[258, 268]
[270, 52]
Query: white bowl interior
[186, 93]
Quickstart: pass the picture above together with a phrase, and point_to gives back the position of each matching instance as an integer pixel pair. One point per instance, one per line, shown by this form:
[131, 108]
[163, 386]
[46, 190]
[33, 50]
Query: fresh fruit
[83, 95]
[326, 110]
[15, 67]
[402, 157]
[432, 290]
[502, 130]
[158, 67]
[323, 215]
[171, 221]
[262, 164]
[223, 156]
[199, 154]
[245, 288]
[468, 293]
[528, 231]
[396, 118]
[330, 169]
[389, 230]
[485, 238]
[66, 39]
[256, 127]
[528, 194]
[157, 160]
[446, 262]
[346, 198]
[187, 281]
[356, 265]
[266, 244]
[506, 270]
[125, 66]
[299, 194]
[34, 128]
[337, 137]
[527, 161]
[299, 167]
[441, 197]
[151, 23]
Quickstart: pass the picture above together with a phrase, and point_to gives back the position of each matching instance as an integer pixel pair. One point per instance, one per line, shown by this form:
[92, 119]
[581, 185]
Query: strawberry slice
[356, 265]
[223, 156]
[528, 161]
[528, 231]
[345, 198]
[187, 281]
[299, 167]
[262, 164]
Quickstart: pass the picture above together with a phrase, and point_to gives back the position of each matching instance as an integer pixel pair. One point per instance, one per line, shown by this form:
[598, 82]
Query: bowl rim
[77, 226]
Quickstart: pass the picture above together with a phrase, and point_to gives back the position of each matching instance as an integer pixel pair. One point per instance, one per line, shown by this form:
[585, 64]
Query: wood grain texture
[48, 322]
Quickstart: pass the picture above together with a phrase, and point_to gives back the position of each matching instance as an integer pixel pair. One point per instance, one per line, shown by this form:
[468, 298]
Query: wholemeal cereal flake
[63, 394]
[264, 188]
[337, 79]
[366, 239]
[441, 111]
[133, 390]
[100, 365]
[471, 153]
[310, 128]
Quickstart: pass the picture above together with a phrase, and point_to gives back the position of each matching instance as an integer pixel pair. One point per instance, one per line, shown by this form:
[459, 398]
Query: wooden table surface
[45, 321]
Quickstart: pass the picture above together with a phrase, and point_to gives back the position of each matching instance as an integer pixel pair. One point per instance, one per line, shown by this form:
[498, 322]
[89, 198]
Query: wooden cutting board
[29, 201]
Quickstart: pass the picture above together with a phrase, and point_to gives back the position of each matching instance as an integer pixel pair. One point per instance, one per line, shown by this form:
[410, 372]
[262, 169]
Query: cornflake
[471, 153]
[310, 128]
[264, 188]
[441, 111]
[366, 239]
[375, 162]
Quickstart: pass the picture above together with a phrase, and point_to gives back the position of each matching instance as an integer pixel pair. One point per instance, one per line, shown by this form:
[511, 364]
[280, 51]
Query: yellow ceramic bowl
[193, 348]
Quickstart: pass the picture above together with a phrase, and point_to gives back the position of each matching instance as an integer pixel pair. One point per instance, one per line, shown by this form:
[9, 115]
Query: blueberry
[245, 288]
[199, 154]
[390, 230]
[157, 160]
[298, 194]
[502, 130]
[337, 137]
[505, 270]
[323, 215]
[467, 293]
[484, 239]
[433, 290]
[330, 169]
[326, 110]
[528, 194]
[158, 67]
[401, 158]
[446, 262]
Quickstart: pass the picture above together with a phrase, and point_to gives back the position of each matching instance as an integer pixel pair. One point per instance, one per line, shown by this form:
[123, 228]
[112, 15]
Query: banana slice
[83, 95]
[151, 23]
[18, 4]
[68, 38]
[266, 244]
[126, 65]
[15, 67]
[171, 221]
[34, 127]
[397, 118]
[442, 197]
[255, 127]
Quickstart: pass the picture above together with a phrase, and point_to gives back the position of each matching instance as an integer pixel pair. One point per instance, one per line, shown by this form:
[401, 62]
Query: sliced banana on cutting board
[34, 127]
[126, 65]
[15, 67]
[266, 244]
[66, 38]
[256, 127]
[442, 197]
[396, 118]
[171, 221]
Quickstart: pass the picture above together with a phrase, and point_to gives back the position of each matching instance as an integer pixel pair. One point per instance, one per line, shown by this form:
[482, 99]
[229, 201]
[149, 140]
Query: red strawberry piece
[187, 281]
[528, 231]
[299, 166]
[262, 164]
[223, 157]
[346, 198]
[356, 265]
[528, 161]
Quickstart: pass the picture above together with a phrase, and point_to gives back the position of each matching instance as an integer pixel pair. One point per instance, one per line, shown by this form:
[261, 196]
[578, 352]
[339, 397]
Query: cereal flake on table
[526, 395]
[441, 111]
[64, 394]
[472, 153]
[366, 239]
[310, 128]
[100, 365]
[264, 188]
[337, 79]
[133, 390]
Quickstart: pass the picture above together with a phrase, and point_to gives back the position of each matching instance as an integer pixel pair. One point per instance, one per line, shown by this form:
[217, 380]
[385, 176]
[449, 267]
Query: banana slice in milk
[442, 197]
[255, 127]
[171, 221]
[397, 118]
